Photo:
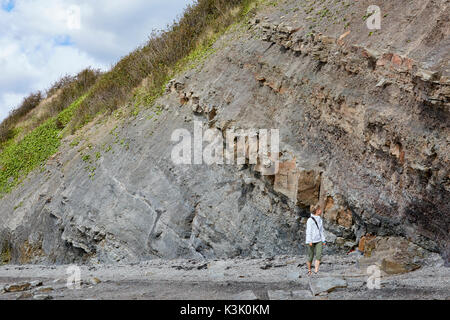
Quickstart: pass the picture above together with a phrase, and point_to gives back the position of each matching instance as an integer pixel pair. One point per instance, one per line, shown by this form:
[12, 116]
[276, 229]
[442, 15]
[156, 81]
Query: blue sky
[40, 41]
[8, 5]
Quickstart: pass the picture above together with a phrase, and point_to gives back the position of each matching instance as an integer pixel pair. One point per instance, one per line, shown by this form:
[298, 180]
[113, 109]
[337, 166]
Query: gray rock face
[376, 158]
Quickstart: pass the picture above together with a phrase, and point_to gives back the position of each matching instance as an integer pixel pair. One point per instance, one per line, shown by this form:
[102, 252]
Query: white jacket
[314, 234]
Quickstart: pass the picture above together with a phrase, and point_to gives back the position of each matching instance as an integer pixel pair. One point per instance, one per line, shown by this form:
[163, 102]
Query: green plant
[157, 60]
[58, 97]
[5, 254]
[19, 158]
[64, 117]
[75, 142]
[86, 158]
[91, 171]
[136, 111]
[322, 13]
[367, 15]
[7, 126]
[77, 100]
[18, 206]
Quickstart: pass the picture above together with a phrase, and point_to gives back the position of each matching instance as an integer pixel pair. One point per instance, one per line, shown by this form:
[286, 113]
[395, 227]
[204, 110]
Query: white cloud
[9, 99]
[43, 40]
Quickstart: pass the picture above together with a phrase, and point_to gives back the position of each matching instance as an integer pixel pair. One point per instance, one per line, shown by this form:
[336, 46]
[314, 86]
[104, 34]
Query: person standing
[315, 239]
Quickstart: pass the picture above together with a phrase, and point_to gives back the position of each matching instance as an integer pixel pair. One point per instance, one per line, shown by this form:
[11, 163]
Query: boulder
[293, 276]
[36, 283]
[362, 242]
[245, 295]
[394, 255]
[24, 295]
[17, 287]
[44, 289]
[330, 237]
[326, 285]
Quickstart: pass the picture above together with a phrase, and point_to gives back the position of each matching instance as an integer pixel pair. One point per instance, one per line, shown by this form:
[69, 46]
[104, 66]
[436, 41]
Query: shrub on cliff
[158, 58]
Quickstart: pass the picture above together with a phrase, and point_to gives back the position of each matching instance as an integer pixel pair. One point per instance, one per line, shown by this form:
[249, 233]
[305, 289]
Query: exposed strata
[364, 131]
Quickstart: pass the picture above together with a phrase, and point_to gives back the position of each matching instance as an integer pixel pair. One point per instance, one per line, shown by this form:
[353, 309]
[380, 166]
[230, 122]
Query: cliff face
[364, 130]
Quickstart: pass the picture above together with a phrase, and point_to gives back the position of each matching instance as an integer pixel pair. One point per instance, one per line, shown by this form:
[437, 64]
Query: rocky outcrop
[393, 255]
[362, 131]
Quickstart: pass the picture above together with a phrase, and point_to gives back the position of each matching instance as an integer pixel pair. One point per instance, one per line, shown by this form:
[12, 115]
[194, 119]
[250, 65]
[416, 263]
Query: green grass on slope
[20, 158]
[185, 45]
[156, 60]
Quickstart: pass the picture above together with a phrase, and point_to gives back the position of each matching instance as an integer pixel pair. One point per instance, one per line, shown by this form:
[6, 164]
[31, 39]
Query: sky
[43, 40]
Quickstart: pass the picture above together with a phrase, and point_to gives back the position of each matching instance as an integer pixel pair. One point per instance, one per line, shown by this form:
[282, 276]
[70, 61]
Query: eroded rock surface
[394, 255]
[364, 130]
